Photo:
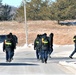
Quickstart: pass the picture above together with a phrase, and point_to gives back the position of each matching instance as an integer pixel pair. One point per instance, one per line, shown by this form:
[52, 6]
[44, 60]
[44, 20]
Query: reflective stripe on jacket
[37, 42]
[8, 43]
[74, 38]
[44, 41]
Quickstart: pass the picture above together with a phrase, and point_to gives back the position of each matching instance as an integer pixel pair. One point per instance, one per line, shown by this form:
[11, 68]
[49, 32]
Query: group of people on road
[43, 45]
[9, 45]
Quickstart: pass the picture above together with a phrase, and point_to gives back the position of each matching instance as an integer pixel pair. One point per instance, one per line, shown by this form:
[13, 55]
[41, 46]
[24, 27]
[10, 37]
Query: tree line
[6, 13]
[47, 10]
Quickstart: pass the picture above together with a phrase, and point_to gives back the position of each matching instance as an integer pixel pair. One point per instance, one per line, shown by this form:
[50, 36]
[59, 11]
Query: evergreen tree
[36, 10]
[33, 9]
[44, 12]
[6, 15]
[1, 10]
[63, 10]
[5, 12]
[20, 14]
[46, 9]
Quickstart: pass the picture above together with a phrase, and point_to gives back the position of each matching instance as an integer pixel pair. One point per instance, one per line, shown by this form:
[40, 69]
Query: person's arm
[4, 46]
[35, 44]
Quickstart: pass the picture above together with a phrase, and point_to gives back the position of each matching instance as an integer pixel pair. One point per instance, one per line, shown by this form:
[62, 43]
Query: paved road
[25, 63]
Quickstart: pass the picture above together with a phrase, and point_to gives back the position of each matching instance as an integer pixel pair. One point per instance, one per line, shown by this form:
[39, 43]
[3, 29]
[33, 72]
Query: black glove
[4, 50]
[35, 48]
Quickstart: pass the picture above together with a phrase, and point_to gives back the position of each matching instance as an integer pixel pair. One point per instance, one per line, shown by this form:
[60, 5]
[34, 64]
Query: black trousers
[8, 54]
[73, 51]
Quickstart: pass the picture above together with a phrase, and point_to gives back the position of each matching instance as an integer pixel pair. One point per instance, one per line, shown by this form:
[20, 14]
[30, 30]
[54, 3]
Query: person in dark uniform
[51, 43]
[74, 40]
[44, 48]
[14, 37]
[8, 46]
[37, 46]
[15, 40]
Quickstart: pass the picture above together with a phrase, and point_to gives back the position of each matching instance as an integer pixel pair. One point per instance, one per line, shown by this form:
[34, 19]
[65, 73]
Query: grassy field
[63, 35]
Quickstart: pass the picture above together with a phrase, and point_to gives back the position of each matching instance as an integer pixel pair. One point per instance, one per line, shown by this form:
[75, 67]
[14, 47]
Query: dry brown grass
[62, 34]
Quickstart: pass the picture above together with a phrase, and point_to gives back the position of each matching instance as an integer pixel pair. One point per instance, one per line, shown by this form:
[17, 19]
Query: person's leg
[72, 54]
[42, 56]
[50, 51]
[12, 54]
[9, 55]
[46, 56]
[37, 55]
[6, 56]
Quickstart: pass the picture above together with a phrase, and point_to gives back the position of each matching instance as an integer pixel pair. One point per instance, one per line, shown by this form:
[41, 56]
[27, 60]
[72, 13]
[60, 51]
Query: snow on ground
[31, 47]
[63, 51]
[19, 48]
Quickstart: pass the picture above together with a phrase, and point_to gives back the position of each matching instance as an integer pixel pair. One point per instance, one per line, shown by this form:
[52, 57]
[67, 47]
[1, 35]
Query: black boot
[71, 57]
[45, 60]
[42, 60]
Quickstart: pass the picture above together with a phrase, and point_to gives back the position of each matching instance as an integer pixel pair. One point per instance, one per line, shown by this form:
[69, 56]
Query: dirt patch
[62, 34]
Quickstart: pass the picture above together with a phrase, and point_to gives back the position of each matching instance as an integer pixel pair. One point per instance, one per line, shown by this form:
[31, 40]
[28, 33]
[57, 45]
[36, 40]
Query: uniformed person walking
[37, 46]
[15, 40]
[44, 48]
[8, 46]
[74, 40]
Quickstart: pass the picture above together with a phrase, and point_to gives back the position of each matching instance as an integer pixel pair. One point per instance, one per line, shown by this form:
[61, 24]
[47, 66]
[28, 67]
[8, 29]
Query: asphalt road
[25, 63]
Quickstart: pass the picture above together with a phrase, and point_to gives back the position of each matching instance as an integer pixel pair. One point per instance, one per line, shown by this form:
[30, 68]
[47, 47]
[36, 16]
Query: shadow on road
[35, 62]
[57, 59]
[17, 64]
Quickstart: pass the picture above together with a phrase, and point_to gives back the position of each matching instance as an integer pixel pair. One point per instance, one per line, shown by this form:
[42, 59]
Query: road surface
[25, 63]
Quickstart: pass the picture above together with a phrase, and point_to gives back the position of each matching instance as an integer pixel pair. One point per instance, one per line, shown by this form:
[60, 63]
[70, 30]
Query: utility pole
[26, 28]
